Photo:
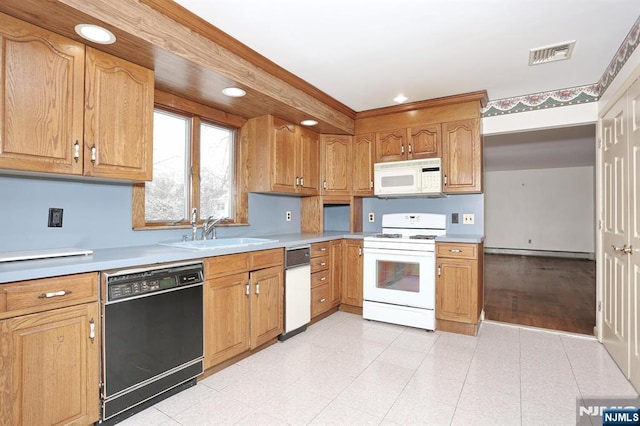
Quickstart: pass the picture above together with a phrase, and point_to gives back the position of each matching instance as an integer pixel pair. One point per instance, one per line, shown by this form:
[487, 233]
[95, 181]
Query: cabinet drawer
[319, 263]
[47, 293]
[265, 258]
[230, 264]
[457, 250]
[221, 266]
[320, 299]
[318, 278]
[320, 249]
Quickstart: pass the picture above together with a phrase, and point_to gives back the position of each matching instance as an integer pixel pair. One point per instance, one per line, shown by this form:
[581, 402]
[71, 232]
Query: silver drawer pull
[323, 300]
[323, 278]
[257, 288]
[323, 249]
[455, 251]
[54, 294]
[323, 264]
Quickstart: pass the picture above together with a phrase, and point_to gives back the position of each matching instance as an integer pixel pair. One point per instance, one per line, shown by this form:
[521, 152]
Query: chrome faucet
[209, 227]
[194, 224]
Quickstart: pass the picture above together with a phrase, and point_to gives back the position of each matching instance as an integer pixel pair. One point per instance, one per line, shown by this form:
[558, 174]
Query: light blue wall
[98, 215]
[471, 203]
[336, 217]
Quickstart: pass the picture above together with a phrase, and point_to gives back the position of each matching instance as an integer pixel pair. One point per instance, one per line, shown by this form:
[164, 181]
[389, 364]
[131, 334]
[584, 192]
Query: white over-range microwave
[412, 178]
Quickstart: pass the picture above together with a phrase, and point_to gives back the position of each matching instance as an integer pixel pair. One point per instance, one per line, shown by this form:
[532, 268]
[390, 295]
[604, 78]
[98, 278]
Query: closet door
[615, 294]
[634, 232]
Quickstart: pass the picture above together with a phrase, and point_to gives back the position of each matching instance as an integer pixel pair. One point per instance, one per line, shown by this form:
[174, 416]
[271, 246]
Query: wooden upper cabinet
[66, 108]
[424, 142]
[363, 157]
[336, 165]
[309, 162]
[391, 145]
[285, 156]
[462, 156]
[41, 99]
[281, 157]
[118, 118]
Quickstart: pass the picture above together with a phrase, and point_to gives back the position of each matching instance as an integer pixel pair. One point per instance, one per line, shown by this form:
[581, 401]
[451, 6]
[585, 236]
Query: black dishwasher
[152, 335]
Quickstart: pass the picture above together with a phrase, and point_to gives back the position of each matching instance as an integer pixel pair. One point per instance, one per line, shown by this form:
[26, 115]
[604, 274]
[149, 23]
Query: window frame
[197, 113]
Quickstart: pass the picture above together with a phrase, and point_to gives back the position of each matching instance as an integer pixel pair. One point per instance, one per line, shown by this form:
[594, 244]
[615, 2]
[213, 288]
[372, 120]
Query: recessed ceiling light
[400, 99]
[234, 92]
[95, 33]
[308, 122]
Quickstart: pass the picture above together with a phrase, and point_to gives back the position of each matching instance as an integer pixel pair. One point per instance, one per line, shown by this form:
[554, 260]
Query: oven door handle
[417, 253]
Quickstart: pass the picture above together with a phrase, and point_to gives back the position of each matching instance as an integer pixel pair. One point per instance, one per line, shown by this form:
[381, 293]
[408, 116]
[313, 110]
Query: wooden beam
[152, 26]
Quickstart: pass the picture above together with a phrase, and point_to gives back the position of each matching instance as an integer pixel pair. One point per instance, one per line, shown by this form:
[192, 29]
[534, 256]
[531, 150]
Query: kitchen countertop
[125, 257]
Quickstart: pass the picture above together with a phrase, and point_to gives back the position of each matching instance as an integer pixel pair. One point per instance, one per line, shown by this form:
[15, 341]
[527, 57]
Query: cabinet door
[362, 164]
[50, 367]
[309, 162]
[118, 118]
[391, 145]
[41, 99]
[226, 318]
[462, 156]
[284, 153]
[352, 281]
[266, 305]
[335, 262]
[456, 295]
[336, 164]
[425, 142]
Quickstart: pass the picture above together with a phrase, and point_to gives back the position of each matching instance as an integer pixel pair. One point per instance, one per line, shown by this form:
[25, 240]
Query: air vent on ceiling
[556, 52]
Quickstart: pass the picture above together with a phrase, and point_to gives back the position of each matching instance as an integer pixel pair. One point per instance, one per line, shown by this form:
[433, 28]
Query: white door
[634, 233]
[615, 295]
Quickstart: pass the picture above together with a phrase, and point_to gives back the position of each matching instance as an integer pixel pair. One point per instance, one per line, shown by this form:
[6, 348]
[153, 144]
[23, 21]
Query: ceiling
[363, 53]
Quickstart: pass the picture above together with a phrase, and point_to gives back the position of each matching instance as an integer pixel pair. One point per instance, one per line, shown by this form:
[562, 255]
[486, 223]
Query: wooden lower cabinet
[459, 287]
[243, 303]
[50, 367]
[227, 318]
[266, 304]
[335, 260]
[352, 273]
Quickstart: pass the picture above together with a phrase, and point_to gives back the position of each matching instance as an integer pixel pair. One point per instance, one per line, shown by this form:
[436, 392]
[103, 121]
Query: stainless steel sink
[219, 243]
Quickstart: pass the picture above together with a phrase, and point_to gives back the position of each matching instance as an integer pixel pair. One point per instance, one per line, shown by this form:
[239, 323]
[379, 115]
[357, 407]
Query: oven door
[399, 277]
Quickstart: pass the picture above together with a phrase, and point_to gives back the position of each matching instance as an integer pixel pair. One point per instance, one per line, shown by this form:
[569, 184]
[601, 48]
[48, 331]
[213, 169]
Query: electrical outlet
[55, 218]
[288, 216]
[468, 218]
[372, 218]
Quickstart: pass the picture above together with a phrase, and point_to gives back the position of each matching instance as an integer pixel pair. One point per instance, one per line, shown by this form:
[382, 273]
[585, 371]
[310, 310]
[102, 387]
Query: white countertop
[125, 257]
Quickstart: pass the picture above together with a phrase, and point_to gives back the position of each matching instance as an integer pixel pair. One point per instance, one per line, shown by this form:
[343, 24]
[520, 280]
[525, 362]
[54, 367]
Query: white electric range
[399, 270]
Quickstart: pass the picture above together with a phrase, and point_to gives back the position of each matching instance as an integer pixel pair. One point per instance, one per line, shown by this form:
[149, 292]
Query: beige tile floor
[349, 371]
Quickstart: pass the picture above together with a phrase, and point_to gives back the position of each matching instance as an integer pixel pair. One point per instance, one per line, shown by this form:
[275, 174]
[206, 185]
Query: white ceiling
[365, 52]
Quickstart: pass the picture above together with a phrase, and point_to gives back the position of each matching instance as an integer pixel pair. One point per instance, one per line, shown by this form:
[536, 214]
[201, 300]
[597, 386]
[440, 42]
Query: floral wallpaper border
[542, 100]
[573, 95]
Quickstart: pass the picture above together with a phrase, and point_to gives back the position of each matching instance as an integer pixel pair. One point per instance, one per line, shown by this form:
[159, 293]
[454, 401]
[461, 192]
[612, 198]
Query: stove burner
[388, 236]
[422, 237]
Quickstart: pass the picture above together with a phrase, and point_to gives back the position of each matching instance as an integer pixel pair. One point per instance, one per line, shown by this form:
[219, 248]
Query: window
[194, 166]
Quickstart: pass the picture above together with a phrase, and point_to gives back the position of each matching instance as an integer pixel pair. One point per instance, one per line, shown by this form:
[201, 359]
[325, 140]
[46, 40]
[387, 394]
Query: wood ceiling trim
[152, 26]
[480, 96]
[188, 19]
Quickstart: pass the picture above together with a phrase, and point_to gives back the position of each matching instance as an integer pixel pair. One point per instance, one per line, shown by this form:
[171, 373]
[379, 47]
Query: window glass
[167, 196]
[216, 171]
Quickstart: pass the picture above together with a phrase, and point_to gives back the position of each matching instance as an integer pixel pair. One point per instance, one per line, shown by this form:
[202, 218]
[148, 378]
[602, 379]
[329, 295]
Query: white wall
[554, 208]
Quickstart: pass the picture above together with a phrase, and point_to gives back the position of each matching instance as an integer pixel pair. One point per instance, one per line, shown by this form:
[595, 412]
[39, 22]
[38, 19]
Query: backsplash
[467, 203]
[98, 215]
